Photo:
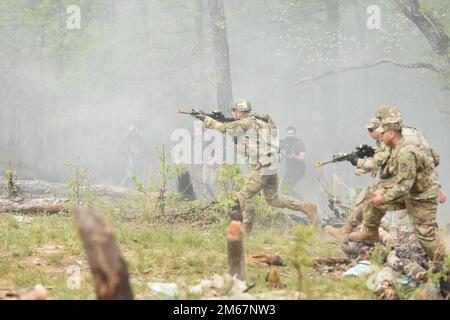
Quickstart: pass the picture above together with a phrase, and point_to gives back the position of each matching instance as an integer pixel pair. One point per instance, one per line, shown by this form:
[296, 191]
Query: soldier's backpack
[266, 118]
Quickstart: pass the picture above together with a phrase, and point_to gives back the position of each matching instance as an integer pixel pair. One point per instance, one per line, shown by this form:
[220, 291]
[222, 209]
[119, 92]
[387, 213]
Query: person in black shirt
[135, 152]
[293, 150]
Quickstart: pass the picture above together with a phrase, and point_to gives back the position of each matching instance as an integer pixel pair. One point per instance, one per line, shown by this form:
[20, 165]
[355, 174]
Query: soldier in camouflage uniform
[258, 147]
[376, 164]
[408, 180]
[382, 153]
[364, 166]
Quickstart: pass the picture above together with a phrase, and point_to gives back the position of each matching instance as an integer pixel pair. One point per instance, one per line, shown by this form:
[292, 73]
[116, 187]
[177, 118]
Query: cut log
[105, 260]
[50, 206]
[236, 257]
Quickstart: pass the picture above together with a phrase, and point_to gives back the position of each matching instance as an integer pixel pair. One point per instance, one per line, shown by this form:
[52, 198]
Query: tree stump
[236, 257]
[105, 260]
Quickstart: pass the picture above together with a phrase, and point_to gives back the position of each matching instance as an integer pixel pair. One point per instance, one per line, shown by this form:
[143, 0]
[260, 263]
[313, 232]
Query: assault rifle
[216, 114]
[362, 151]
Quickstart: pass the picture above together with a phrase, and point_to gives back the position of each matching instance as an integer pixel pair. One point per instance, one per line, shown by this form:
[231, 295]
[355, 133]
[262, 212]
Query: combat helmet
[242, 105]
[389, 114]
[373, 124]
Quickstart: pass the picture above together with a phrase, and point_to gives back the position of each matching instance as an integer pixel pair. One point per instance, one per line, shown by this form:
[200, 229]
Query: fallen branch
[419, 65]
[41, 187]
[269, 259]
[37, 292]
[33, 206]
[107, 264]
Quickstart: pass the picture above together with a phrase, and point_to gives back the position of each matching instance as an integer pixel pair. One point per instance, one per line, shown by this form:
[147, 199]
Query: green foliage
[138, 184]
[304, 239]
[78, 183]
[230, 181]
[166, 173]
[11, 182]
[378, 255]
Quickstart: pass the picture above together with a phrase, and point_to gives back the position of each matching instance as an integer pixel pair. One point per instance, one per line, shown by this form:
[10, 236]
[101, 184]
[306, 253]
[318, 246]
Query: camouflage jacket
[409, 172]
[412, 135]
[379, 158]
[256, 142]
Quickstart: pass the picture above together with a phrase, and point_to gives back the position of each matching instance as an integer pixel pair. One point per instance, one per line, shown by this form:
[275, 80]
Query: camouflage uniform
[381, 154]
[255, 132]
[409, 180]
[378, 162]
[379, 158]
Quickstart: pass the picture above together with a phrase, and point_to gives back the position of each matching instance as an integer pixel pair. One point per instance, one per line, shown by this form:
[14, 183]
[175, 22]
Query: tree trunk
[203, 96]
[429, 26]
[222, 55]
[107, 264]
[330, 86]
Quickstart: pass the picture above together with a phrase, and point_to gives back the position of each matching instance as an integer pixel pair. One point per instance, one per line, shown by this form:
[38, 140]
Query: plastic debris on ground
[224, 285]
[221, 287]
[22, 219]
[363, 267]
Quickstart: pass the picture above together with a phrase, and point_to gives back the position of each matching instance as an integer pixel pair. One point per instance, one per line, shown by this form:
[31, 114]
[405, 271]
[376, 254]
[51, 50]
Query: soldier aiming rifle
[362, 151]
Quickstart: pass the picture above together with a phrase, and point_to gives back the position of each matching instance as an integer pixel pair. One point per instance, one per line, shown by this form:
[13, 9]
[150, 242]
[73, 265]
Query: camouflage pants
[356, 216]
[269, 185]
[423, 218]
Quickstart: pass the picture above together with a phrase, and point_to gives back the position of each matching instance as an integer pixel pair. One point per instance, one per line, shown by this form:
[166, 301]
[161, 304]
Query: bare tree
[221, 53]
[431, 28]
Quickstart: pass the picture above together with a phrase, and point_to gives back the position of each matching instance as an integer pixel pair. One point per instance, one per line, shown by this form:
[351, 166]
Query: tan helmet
[242, 105]
[389, 114]
[373, 124]
[395, 125]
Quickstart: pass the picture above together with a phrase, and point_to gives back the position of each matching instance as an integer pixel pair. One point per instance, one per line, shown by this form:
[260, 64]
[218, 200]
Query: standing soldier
[409, 180]
[256, 134]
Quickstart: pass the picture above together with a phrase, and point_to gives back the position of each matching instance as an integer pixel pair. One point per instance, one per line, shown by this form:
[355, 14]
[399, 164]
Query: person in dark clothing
[135, 152]
[293, 150]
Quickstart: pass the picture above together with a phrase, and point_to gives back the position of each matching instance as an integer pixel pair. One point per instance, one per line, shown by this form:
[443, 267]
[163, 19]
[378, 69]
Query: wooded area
[94, 203]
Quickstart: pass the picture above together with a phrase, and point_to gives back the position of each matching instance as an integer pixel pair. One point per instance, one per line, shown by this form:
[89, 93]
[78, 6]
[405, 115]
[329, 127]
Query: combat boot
[340, 233]
[366, 234]
[310, 209]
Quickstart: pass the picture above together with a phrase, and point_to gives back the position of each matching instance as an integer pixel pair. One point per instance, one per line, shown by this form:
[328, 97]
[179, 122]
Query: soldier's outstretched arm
[404, 180]
[371, 164]
[234, 127]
